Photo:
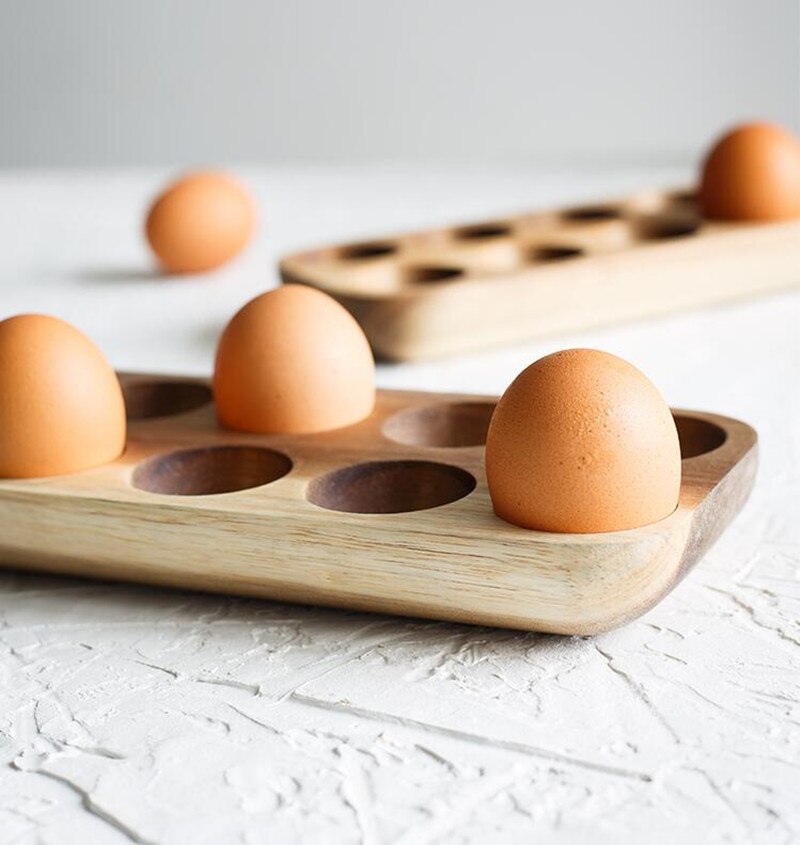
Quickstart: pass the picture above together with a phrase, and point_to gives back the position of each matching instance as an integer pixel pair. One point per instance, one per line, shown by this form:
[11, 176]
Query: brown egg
[752, 173]
[200, 222]
[582, 442]
[293, 360]
[61, 406]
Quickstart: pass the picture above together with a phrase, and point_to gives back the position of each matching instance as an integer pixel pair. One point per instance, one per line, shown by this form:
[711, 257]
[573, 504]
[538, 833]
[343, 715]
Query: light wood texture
[445, 555]
[447, 290]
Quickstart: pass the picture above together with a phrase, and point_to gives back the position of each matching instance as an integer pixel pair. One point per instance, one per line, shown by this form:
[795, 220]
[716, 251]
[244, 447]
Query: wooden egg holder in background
[390, 515]
[453, 289]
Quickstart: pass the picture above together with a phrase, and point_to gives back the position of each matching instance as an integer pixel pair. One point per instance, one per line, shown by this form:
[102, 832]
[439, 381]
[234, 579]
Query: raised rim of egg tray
[455, 288]
[389, 515]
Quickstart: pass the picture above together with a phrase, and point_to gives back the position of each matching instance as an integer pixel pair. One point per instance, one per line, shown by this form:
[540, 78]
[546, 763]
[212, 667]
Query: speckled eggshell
[61, 406]
[200, 222]
[752, 173]
[582, 442]
[293, 361]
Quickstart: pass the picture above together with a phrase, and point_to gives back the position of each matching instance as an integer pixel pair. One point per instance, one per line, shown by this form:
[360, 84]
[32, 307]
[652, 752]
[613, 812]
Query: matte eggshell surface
[61, 406]
[200, 222]
[582, 442]
[752, 173]
[293, 361]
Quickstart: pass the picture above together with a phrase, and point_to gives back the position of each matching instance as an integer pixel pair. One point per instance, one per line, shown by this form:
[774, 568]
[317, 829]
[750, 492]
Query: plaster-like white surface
[142, 715]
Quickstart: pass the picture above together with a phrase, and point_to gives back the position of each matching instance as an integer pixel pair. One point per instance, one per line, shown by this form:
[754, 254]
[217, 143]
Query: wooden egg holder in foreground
[391, 515]
[452, 289]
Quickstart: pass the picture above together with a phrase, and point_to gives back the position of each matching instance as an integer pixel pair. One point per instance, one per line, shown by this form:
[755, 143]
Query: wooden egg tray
[390, 515]
[452, 289]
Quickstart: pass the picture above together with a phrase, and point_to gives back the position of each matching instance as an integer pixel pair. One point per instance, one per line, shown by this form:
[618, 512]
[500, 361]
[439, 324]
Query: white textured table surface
[134, 714]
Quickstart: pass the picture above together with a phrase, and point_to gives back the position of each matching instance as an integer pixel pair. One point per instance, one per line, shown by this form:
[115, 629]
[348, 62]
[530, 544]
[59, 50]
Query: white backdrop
[184, 81]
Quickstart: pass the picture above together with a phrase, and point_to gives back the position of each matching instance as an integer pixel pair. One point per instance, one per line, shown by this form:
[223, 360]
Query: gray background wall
[184, 81]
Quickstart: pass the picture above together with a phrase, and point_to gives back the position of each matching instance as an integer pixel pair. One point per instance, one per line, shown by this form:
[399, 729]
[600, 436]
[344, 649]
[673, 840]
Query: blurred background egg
[293, 361]
[61, 406]
[200, 222]
[752, 173]
[582, 442]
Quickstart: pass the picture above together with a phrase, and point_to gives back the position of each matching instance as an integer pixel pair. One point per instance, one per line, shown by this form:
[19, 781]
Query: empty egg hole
[148, 399]
[374, 249]
[390, 487]
[592, 213]
[665, 230]
[698, 437]
[449, 426]
[424, 274]
[482, 231]
[554, 253]
[683, 197]
[209, 471]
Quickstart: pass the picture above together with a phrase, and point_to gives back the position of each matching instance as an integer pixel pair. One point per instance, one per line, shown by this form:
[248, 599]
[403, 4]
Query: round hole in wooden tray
[658, 202]
[685, 197]
[659, 229]
[148, 399]
[373, 249]
[390, 487]
[482, 231]
[425, 274]
[698, 437]
[545, 254]
[450, 425]
[211, 470]
[592, 213]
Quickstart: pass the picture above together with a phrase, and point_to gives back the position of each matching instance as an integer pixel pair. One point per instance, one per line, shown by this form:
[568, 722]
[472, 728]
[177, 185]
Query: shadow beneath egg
[122, 275]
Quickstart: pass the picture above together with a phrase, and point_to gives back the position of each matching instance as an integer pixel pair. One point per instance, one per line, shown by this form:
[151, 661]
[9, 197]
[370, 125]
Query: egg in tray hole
[581, 441]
